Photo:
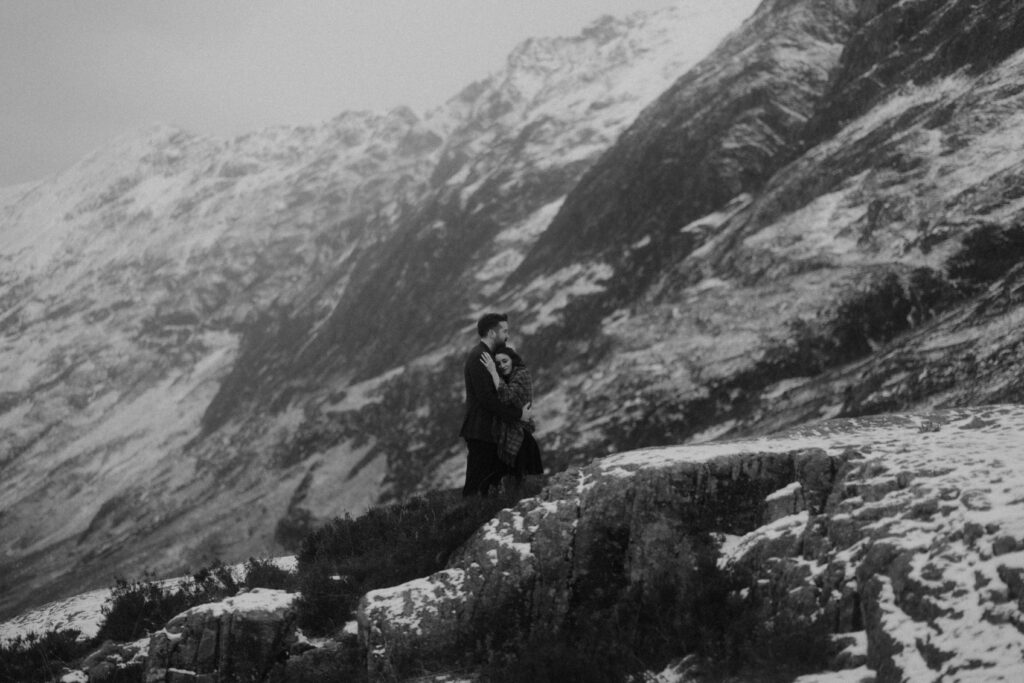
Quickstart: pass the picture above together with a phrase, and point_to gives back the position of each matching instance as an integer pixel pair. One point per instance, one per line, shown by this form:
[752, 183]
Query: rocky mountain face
[208, 344]
[214, 344]
[862, 241]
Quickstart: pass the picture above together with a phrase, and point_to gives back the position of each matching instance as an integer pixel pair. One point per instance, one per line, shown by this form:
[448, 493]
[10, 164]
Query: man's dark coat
[482, 404]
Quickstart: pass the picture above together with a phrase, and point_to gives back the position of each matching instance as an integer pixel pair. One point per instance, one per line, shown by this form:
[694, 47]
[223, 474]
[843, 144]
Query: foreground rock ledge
[238, 639]
[903, 531]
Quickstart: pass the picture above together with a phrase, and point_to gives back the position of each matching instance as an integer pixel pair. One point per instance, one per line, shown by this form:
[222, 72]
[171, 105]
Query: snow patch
[786, 491]
[406, 604]
[84, 612]
[567, 284]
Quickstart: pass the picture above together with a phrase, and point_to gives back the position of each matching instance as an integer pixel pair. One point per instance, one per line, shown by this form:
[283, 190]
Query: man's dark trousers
[484, 469]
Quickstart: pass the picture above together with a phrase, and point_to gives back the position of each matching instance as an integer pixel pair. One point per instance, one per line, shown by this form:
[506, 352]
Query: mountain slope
[181, 315]
[131, 279]
[822, 218]
[894, 218]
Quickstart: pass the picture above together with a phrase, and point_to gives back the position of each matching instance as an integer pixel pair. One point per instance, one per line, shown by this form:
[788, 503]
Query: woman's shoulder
[520, 373]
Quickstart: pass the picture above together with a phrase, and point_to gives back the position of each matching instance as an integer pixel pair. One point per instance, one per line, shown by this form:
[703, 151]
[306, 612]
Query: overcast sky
[75, 74]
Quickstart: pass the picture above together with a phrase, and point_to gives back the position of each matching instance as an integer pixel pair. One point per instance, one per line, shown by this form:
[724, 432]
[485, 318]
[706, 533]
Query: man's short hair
[488, 322]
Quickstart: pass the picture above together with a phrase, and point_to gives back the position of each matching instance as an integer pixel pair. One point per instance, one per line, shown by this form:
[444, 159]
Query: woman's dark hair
[517, 360]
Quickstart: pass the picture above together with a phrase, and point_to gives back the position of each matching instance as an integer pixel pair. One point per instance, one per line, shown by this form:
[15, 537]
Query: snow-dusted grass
[84, 612]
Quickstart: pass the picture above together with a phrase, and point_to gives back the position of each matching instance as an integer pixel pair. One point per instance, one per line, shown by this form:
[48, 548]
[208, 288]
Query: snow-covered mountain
[180, 313]
[215, 344]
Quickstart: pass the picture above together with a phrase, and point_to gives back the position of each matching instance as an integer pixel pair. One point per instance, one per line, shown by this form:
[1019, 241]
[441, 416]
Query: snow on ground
[568, 283]
[364, 393]
[256, 600]
[84, 612]
[512, 245]
[861, 674]
[960, 443]
[406, 608]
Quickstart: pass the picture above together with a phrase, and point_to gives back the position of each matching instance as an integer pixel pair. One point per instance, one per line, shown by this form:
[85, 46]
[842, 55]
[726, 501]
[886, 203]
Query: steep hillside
[129, 281]
[219, 343]
[183, 318]
[849, 278]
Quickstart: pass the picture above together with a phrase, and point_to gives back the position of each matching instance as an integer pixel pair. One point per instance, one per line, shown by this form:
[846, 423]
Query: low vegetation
[34, 657]
[389, 545]
[134, 609]
[338, 563]
[139, 607]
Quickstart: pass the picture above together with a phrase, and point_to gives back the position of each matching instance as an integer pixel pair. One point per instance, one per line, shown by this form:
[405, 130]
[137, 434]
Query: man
[484, 468]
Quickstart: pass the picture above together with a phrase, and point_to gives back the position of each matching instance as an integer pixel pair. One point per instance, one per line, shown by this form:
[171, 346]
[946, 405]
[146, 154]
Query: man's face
[501, 332]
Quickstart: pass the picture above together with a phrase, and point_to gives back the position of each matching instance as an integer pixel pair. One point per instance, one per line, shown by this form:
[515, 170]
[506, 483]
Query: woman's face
[504, 363]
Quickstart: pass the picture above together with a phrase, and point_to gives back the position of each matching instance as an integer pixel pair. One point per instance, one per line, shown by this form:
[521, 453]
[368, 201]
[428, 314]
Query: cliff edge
[894, 544]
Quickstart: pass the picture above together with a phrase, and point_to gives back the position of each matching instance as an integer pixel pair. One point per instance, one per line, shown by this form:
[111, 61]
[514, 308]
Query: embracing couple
[498, 428]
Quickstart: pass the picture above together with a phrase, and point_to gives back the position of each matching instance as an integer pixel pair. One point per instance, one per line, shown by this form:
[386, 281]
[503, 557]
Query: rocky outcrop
[239, 639]
[903, 533]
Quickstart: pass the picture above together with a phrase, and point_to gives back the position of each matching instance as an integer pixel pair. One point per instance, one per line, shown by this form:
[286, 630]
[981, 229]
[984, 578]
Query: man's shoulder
[474, 353]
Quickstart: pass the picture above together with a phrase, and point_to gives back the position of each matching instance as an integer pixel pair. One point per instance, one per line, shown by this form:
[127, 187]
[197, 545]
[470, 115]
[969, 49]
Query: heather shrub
[264, 573]
[388, 545]
[343, 659]
[32, 658]
[140, 606]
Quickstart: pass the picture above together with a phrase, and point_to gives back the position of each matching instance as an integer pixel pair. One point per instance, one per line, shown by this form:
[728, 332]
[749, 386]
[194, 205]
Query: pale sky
[75, 74]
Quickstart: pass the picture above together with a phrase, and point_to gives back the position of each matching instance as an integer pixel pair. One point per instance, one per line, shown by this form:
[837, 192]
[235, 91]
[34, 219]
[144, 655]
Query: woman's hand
[488, 362]
[527, 415]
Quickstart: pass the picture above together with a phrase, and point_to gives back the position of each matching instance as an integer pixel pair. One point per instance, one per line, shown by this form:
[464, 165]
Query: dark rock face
[812, 296]
[904, 545]
[593, 537]
[721, 130]
[919, 41]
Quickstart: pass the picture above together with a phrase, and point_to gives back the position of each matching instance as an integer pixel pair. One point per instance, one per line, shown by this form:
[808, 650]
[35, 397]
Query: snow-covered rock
[909, 545]
[240, 638]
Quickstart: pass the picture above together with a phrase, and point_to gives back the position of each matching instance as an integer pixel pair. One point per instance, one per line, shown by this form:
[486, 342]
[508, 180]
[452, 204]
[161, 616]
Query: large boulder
[241, 638]
[902, 532]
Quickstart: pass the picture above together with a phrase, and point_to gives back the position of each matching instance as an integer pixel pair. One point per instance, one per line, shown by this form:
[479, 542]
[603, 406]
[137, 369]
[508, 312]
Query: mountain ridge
[165, 345]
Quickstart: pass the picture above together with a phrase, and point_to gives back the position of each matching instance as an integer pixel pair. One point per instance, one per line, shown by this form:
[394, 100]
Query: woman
[516, 446]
